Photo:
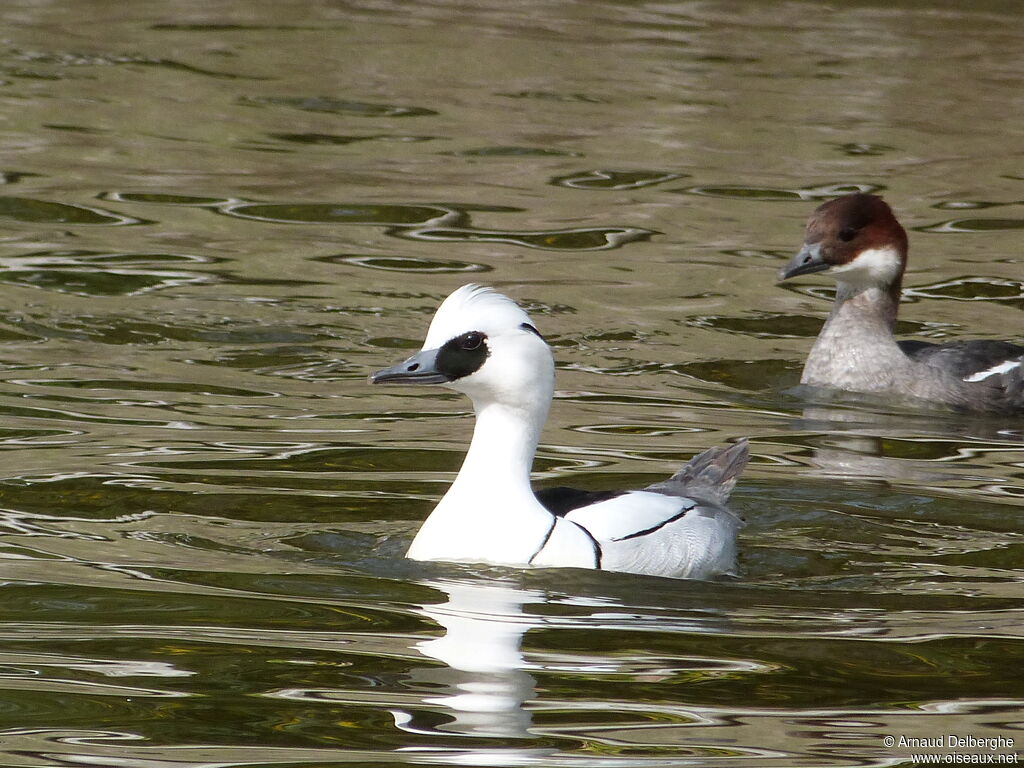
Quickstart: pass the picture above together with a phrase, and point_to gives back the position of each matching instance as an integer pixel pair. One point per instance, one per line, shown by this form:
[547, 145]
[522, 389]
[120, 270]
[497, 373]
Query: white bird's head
[483, 344]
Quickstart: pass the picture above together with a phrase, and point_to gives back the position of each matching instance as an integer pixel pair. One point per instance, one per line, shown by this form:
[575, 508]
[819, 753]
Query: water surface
[218, 218]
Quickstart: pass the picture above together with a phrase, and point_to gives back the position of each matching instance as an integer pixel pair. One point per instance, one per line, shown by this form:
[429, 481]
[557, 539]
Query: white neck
[491, 504]
[501, 453]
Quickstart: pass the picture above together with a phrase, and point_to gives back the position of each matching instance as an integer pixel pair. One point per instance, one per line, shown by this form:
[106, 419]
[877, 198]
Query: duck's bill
[807, 261]
[421, 368]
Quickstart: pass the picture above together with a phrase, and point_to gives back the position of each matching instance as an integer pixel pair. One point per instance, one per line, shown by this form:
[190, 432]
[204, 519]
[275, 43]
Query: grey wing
[995, 369]
[660, 535]
[965, 359]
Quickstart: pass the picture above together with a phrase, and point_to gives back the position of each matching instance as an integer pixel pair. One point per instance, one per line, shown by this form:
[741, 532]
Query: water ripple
[62, 61]
[968, 205]
[972, 288]
[343, 213]
[576, 239]
[167, 198]
[414, 264]
[93, 273]
[961, 226]
[615, 180]
[762, 325]
[32, 211]
[338, 140]
[338, 106]
[818, 192]
[864, 149]
[512, 152]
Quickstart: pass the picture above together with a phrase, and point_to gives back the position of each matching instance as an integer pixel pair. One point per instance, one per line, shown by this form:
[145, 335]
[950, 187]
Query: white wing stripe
[1004, 367]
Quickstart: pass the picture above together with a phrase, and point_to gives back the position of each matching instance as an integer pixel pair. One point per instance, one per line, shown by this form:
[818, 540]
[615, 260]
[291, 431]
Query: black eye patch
[462, 355]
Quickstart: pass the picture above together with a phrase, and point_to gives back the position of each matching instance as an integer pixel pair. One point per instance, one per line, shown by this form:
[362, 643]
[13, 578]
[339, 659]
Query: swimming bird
[857, 240]
[484, 345]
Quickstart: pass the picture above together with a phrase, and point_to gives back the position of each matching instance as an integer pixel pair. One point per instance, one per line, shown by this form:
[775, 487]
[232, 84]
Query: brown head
[857, 239]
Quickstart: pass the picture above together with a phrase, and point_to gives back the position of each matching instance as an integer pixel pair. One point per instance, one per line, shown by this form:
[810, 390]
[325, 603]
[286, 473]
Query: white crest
[474, 308]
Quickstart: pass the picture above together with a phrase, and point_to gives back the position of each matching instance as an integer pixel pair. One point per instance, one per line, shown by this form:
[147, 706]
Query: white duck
[482, 344]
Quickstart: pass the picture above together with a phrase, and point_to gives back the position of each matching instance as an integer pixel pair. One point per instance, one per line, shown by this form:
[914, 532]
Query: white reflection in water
[486, 682]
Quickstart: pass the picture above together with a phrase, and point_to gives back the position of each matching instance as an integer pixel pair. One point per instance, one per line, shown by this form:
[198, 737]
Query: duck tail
[709, 476]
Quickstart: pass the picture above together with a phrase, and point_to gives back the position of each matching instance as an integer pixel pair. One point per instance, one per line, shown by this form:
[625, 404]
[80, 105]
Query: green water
[217, 218]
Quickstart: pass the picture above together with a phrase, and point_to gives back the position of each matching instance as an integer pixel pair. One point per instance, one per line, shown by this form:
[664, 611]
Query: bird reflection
[896, 446]
[484, 685]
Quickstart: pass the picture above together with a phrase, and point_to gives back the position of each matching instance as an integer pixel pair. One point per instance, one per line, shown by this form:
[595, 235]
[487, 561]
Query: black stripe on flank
[598, 554]
[531, 329]
[547, 538]
[462, 355]
[654, 528]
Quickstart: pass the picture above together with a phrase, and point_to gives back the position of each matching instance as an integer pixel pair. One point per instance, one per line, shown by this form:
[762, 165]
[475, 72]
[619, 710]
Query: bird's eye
[470, 341]
[847, 234]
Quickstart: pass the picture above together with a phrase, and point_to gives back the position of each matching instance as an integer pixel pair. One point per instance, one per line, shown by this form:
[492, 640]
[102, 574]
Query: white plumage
[481, 343]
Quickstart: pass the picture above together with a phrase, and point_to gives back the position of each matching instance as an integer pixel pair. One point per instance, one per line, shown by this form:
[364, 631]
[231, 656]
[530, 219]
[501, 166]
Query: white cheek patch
[875, 266]
[1006, 367]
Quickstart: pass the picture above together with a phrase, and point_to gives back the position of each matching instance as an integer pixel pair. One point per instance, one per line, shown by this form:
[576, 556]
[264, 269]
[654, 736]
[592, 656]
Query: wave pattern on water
[222, 221]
